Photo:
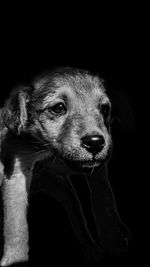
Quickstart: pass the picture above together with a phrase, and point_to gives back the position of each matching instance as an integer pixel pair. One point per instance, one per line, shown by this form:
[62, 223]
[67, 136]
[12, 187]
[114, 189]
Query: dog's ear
[14, 113]
[121, 109]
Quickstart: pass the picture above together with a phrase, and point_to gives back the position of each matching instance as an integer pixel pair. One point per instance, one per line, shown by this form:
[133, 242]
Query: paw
[8, 261]
[115, 238]
[13, 254]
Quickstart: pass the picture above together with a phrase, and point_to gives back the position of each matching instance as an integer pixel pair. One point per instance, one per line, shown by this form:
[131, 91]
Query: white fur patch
[15, 223]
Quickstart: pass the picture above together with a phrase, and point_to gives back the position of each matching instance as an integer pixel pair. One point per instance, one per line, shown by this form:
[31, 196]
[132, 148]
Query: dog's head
[68, 110]
[73, 116]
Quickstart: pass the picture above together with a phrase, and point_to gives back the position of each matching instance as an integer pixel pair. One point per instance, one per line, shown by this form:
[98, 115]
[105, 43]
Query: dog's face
[71, 114]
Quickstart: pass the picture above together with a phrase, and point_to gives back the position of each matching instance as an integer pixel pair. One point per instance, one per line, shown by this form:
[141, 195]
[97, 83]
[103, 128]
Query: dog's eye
[105, 110]
[58, 108]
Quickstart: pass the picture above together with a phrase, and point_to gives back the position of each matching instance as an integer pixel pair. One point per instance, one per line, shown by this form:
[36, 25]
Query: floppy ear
[14, 112]
[121, 109]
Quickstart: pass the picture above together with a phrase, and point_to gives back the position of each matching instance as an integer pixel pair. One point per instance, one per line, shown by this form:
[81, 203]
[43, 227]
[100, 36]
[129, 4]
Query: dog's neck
[61, 167]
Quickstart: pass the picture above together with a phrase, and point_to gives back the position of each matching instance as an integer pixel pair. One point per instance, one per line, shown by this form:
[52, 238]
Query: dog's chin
[90, 162]
[84, 165]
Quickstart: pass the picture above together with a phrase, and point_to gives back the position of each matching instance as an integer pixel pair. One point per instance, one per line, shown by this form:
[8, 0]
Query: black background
[106, 42]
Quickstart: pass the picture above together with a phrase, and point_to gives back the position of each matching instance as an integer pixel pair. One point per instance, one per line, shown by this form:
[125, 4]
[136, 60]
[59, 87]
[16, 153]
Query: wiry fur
[30, 131]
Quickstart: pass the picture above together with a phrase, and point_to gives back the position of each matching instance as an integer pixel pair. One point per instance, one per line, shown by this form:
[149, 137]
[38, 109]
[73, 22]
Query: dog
[64, 117]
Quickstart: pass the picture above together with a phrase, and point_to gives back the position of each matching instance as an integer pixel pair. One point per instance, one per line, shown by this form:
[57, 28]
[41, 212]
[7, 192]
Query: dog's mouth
[83, 164]
[89, 164]
[94, 161]
[82, 160]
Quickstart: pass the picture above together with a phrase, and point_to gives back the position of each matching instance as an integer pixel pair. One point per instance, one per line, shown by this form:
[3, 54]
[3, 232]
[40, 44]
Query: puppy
[62, 117]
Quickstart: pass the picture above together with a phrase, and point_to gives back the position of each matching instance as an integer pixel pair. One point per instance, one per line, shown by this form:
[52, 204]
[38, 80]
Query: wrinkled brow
[81, 84]
[46, 89]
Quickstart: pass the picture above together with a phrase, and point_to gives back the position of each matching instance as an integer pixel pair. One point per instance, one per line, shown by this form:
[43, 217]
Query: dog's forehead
[70, 94]
[79, 86]
[82, 84]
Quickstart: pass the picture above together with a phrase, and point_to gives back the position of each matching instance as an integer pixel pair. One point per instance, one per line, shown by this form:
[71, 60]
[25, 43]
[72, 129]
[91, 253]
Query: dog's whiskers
[45, 145]
[92, 170]
[38, 152]
[35, 153]
[40, 143]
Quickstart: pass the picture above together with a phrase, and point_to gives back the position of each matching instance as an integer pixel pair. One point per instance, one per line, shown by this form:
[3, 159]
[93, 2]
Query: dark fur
[30, 133]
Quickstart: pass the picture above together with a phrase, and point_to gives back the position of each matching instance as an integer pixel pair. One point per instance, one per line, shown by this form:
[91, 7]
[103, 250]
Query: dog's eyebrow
[54, 96]
[62, 95]
[51, 90]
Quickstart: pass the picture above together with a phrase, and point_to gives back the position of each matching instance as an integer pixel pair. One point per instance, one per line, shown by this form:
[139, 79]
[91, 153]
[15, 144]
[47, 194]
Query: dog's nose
[93, 143]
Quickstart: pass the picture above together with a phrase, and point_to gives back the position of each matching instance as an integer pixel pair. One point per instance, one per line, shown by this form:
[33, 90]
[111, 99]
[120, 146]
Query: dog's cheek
[108, 144]
[65, 132]
[50, 127]
[107, 122]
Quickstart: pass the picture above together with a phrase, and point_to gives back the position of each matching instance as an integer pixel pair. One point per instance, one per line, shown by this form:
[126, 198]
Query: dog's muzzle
[93, 143]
